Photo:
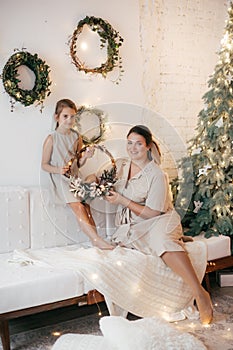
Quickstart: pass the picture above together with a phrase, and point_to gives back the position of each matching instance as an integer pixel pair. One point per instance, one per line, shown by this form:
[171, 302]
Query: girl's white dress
[64, 149]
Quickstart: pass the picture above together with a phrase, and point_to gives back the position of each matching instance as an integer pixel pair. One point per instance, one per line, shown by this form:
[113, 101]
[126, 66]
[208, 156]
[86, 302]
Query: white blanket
[141, 284]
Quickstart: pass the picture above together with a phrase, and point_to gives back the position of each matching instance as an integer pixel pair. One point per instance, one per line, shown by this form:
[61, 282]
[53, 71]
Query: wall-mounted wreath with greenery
[10, 77]
[90, 123]
[108, 36]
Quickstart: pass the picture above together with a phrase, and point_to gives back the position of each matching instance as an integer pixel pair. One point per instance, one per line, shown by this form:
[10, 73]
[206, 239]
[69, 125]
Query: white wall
[180, 40]
[44, 27]
[169, 51]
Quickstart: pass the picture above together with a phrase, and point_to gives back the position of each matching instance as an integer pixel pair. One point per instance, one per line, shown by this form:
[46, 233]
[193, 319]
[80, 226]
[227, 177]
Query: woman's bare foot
[205, 307]
[101, 244]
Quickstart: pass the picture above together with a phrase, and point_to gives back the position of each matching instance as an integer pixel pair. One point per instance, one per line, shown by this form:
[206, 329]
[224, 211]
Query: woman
[146, 218]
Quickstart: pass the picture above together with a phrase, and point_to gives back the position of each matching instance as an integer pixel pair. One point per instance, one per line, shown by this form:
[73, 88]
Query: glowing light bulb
[84, 46]
[56, 334]
[192, 325]
[206, 325]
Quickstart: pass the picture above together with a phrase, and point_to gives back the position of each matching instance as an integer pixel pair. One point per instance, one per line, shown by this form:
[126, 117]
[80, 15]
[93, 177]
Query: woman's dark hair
[65, 102]
[146, 133]
[143, 131]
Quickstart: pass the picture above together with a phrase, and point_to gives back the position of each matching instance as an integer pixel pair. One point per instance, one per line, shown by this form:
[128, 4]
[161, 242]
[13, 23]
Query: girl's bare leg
[87, 225]
[92, 222]
[180, 263]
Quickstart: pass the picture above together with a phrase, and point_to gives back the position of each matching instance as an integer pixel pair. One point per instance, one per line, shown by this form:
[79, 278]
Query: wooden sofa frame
[215, 265]
[92, 297]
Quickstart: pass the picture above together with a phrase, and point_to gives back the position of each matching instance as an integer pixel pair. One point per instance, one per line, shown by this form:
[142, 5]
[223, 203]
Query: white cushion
[25, 284]
[82, 342]
[122, 334]
[52, 225]
[14, 219]
[217, 246]
[146, 334]
[55, 225]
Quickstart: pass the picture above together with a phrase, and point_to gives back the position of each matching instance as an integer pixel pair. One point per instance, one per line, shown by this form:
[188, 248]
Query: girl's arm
[46, 158]
[87, 154]
[81, 160]
[138, 209]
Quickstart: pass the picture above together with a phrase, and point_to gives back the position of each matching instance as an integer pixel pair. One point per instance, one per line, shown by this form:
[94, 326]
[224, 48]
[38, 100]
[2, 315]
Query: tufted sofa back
[14, 219]
[29, 219]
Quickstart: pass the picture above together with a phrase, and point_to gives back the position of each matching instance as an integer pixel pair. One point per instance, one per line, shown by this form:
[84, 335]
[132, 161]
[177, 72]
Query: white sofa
[28, 219]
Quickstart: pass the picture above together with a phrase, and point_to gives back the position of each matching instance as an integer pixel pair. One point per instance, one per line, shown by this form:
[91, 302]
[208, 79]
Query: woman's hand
[138, 209]
[116, 198]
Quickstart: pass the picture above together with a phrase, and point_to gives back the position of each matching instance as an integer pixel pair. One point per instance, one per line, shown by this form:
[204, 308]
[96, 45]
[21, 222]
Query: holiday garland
[11, 81]
[108, 36]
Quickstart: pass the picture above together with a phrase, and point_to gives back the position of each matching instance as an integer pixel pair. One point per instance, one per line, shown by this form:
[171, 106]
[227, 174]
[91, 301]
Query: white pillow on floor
[146, 334]
[125, 334]
[82, 342]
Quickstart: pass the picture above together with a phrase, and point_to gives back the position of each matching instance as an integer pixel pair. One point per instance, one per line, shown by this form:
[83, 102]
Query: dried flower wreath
[100, 188]
[108, 36]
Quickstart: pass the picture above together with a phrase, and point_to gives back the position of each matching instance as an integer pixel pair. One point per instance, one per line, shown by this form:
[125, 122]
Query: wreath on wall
[41, 88]
[81, 119]
[108, 36]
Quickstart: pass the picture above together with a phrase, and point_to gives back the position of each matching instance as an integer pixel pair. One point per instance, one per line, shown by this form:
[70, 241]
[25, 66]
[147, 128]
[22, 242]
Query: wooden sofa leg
[207, 283]
[5, 335]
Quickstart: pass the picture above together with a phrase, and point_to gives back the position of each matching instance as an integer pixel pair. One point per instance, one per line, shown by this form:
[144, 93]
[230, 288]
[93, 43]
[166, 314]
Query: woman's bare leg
[87, 225]
[180, 263]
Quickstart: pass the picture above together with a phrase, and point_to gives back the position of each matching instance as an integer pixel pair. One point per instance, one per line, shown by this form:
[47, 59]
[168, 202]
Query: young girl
[58, 150]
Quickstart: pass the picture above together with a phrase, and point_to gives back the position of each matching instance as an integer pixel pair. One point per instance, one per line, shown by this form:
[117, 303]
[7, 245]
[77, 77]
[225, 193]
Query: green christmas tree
[207, 171]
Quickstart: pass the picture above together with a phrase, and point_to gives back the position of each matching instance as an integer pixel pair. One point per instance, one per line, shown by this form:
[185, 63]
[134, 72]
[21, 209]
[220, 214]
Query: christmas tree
[207, 172]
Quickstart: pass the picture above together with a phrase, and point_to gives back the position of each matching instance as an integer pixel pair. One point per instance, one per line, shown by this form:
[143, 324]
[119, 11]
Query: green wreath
[108, 36]
[10, 78]
[78, 124]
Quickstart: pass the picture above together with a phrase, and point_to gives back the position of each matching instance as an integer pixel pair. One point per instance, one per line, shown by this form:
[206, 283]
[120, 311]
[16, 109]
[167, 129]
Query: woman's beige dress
[64, 149]
[136, 280]
[149, 188]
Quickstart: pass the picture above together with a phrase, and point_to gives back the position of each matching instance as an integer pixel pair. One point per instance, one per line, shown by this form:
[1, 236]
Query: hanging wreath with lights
[81, 120]
[108, 36]
[11, 81]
